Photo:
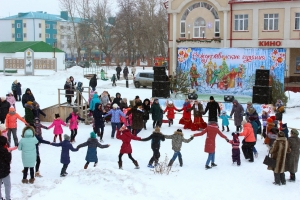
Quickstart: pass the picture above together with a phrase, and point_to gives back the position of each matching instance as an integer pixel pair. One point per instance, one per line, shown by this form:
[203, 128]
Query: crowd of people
[128, 120]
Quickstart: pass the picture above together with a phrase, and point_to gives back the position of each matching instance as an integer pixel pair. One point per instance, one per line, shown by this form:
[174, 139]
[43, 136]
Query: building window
[199, 28]
[13, 25]
[18, 35]
[54, 36]
[47, 26]
[240, 22]
[68, 46]
[47, 35]
[62, 37]
[69, 37]
[24, 25]
[271, 22]
[61, 27]
[62, 46]
[40, 35]
[217, 28]
[69, 28]
[182, 29]
[40, 25]
[13, 35]
[54, 26]
[24, 35]
[18, 25]
[297, 21]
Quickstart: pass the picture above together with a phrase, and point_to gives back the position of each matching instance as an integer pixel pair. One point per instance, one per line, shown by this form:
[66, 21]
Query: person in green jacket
[28, 147]
[29, 116]
[156, 112]
[102, 74]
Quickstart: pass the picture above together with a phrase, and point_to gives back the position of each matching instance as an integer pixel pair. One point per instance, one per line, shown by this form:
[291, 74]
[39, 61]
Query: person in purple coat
[235, 142]
[65, 157]
[115, 119]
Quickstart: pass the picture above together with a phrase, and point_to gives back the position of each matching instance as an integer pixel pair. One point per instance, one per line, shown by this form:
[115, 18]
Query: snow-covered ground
[106, 181]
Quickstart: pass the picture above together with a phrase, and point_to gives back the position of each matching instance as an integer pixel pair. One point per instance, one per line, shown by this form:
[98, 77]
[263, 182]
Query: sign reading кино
[229, 71]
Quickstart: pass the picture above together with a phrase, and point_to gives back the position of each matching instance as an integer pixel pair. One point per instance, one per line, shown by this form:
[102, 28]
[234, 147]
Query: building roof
[13, 47]
[40, 15]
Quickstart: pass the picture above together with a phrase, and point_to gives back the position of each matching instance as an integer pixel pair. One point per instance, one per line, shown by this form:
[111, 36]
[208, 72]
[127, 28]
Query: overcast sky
[13, 7]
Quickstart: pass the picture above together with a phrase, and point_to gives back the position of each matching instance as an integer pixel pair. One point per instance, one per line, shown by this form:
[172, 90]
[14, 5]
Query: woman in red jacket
[170, 108]
[212, 130]
[186, 119]
[126, 136]
[249, 140]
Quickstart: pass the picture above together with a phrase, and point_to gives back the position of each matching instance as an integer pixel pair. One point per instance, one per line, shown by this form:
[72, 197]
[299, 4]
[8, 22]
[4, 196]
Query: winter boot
[292, 177]
[31, 180]
[120, 164]
[95, 164]
[170, 163]
[207, 167]
[24, 181]
[180, 162]
[277, 179]
[150, 166]
[223, 128]
[228, 129]
[37, 174]
[86, 166]
[136, 164]
[169, 122]
[282, 178]
[214, 164]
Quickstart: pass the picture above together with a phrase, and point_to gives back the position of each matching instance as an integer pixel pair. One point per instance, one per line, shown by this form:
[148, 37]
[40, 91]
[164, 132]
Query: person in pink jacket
[249, 140]
[210, 143]
[73, 117]
[58, 131]
[11, 99]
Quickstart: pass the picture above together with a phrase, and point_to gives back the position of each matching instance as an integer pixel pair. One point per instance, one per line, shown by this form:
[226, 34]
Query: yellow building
[236, 24]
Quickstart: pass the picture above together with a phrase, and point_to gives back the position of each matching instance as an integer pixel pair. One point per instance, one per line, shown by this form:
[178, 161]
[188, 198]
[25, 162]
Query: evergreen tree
[224, 70]
[180, 82]
[278, 92]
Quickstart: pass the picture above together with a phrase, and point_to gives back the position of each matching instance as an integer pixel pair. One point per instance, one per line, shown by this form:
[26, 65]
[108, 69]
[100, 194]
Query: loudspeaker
[160, 93]
[262, 74]
[262, 94]
[262, 82]
[228, 98]
[160, 77]
[161, 85]
[161, 89]
[193, 96]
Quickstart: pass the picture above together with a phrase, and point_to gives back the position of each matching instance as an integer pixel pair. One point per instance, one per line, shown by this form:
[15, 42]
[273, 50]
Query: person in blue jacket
[115, 118]
[93, 102]
[65, 156]
[91, 154]
[225, 121]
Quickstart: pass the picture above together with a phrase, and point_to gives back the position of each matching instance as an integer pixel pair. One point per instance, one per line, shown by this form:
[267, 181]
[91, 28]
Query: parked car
[83, 64]
[143, 79]
[70, 64]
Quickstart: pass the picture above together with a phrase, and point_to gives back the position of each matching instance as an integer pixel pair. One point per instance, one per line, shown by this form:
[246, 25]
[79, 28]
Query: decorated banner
[229, 71]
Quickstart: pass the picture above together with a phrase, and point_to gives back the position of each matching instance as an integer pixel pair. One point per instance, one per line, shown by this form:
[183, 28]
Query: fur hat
[244, 122]
[115, 105]
[57, 116]
[3, 141]
[93, 135]
[294, 132]
[211, 98]
[75, 110]
[157, 129]
[249, 103]
[66, 137]
[281, 134]
[2, 127]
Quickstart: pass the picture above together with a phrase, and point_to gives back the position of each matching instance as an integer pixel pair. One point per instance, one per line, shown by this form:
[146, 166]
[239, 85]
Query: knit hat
[29, 102]
[234, 135]
[93, 135]
[244, 122]
[66, 137]
[179, 130]
[137, 97]
[281, 134]
[223, 112]
[3, 141]
[269, 120]
[157, 129]
[273, 118]
[115, 105]
[34, 103]
[170, 102]
[57, 116]
[211, 98]
[2, 127]
[294, 132]
[75, 110]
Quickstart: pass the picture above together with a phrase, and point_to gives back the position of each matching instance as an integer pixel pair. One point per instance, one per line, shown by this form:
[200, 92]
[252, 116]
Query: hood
[28, 132]
[251, 110]
[146, 100]
[37, 119]
[12, 109]
[118, 94]
[95, 96]
[247, 125]
[235, 101]
[178, 133]
[28, 89]
[156, 133]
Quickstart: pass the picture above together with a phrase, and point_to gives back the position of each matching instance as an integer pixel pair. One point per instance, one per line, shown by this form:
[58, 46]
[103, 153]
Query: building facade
[56, 30]
[236, 24]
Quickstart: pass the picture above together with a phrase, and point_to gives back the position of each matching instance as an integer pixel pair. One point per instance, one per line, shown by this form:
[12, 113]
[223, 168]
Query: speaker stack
[262, 91]
[160, 87]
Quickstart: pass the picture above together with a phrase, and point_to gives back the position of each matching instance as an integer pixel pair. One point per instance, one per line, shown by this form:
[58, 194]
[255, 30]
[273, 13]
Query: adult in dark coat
[66, 146]
[125, 73]
[156, 111]
[4, 108]
[137, 118]
[27, 96]
[238, 113]
[91, 154]
[99, 120]
[14, 87]
[117, 99]
[73, 84]
[146, 108]
[68, 92]
[214, 110]
[93, 82]
[19, 91]
[292, 158]
[118, 70]
[5, 159]
[251, 111]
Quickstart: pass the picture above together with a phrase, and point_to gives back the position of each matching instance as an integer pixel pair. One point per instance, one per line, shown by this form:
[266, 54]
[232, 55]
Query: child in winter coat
[279, 111]
[73, 117]
[235, 142]
[28, 147]
[264, 117]
[5, 159]
[36, 110]
[58, 131]
[91, 154]
[93, 102]
[225, 121]
[177, 139]
[170, 109]
[7, 146]
[155, 138]
[19, 91]
[126, 136]
[11, 99]
[115, 113]
[38, 127]
[127, 121]
[99, 120]
[114, 79]
[65, 157]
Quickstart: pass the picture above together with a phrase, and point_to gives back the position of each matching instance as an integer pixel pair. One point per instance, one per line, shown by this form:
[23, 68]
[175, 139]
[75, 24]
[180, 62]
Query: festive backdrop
[229, 71]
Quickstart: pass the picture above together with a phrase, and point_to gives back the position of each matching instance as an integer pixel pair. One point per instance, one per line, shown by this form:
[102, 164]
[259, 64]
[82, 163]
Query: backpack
[79, 87]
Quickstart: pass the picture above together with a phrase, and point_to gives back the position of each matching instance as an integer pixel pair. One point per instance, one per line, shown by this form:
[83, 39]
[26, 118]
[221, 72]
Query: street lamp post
[54, 47]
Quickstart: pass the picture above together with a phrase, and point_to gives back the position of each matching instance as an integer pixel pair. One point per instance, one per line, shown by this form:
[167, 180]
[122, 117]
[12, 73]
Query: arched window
[199, 27]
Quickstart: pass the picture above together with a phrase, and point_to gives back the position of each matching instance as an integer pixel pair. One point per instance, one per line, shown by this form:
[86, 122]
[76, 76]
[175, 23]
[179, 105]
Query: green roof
[13, 47]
